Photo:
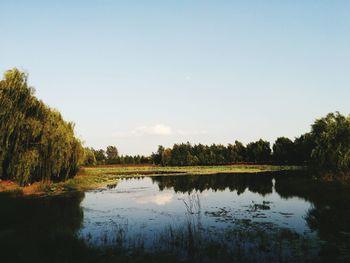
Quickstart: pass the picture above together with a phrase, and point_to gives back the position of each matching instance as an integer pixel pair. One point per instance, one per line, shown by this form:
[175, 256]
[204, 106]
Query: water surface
[280, 217]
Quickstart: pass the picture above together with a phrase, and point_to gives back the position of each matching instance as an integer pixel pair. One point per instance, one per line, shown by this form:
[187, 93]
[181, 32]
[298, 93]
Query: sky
[138, 74]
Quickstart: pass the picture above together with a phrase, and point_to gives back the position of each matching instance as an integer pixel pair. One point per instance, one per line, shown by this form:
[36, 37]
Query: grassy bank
[96, 177]
[82, 182]
[153, 170]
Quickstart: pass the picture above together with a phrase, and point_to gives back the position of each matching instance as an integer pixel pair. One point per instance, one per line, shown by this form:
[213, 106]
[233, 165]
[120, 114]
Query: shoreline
[101, 176]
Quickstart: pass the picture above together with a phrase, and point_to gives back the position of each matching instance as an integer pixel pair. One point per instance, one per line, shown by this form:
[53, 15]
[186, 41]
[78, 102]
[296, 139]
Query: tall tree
[304, 146]
[100, 156]
[236, 152]
[35, 142]
[284, 151]
[331, 136]
[112, 154]
[89, 156]
[259, 151]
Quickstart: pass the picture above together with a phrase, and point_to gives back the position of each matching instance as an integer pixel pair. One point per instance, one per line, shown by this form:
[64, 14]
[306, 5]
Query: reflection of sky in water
[136, 207]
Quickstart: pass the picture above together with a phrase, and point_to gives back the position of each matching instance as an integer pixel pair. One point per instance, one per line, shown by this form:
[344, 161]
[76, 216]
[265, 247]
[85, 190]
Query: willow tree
[35, 142]
[331, 137]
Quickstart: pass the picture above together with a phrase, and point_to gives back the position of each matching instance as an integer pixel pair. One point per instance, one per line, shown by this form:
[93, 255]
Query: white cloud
[157, 129]
[158, 199]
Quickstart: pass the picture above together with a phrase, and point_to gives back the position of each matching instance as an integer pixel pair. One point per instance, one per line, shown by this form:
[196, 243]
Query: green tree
[89, 157]
[284, 151]
[157, 157]
[100, 156]
[236, 152]
[303, 148]
[112, 154]
[259, 151]
[331, 137]
[166, 157]
[35, 142]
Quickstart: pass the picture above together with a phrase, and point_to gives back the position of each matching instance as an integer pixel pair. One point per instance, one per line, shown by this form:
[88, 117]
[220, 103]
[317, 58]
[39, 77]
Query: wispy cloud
[156, 130]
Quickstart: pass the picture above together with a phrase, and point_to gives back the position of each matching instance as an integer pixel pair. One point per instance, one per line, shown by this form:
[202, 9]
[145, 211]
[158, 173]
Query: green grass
[80, 183]
[127, 171]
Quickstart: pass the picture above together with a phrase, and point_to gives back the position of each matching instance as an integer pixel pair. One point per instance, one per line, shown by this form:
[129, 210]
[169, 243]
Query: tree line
[36, 144]
[185, 154]
[326, 147]
[111, 156]
[283, 151]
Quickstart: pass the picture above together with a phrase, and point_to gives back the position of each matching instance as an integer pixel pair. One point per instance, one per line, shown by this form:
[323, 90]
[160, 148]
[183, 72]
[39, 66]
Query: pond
[264, 217]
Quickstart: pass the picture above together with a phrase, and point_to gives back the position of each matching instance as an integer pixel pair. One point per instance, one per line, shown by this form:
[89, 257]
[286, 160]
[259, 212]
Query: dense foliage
[216, 154]
[111, 156]
[35, 142]
[285, 151]
[326, 147]
[331, 138]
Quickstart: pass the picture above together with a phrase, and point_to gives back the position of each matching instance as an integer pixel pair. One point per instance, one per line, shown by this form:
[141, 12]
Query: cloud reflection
[158, 199]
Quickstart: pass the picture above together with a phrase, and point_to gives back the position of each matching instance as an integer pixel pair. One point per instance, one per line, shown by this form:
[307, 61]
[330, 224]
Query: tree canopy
[284, 150]
[35, 142]
[185, 154]
[326, 147]
[331, 139]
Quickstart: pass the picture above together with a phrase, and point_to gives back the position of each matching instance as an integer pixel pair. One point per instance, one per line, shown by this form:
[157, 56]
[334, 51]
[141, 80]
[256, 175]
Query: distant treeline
[111, 156]
[326, 147]
[186, 154]
[35, 142]
[284, 152]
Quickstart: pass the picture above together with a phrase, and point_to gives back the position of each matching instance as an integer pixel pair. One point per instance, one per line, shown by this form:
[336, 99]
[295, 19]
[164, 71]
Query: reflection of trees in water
[329, 215]
[258, 183]
[39, 229]
[50, 213]
[330, 212]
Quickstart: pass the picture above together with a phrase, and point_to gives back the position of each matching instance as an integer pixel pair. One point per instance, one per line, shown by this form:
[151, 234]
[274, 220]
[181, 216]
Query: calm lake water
[266, 217]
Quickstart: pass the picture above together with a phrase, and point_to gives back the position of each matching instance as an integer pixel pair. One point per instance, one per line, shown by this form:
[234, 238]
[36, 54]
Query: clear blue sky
[137, 74]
